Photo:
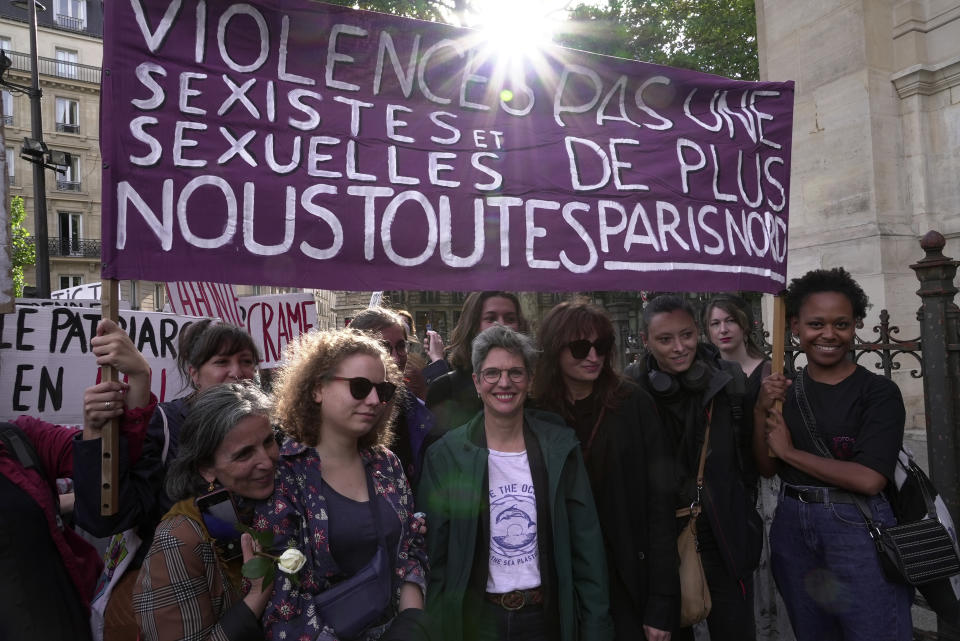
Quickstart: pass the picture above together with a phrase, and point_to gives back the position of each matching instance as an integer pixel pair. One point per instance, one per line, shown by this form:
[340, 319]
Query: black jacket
[730, 477]
[453, 400]
[631, 470]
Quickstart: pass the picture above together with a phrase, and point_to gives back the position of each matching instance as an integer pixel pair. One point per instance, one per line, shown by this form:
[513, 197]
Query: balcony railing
[8, 120]
[55, 68]
[69, 22]
[74, 247]
[68, 185]
[67, 127]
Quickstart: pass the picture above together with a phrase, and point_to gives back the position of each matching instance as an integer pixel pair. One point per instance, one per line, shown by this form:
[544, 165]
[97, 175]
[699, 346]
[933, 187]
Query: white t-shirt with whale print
[514, 556]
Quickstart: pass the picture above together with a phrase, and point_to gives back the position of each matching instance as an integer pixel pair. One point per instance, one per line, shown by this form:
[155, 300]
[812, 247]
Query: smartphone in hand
[220, 518]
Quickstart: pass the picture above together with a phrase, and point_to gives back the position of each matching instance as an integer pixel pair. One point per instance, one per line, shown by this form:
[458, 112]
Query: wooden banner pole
[779, 345]
[110, 440]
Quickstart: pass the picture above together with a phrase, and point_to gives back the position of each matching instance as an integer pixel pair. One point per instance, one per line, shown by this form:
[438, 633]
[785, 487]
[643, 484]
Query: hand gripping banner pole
[110, 441]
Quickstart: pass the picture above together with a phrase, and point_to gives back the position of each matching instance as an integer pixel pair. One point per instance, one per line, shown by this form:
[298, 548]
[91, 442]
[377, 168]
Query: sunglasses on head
[360, 388]
[581, 348]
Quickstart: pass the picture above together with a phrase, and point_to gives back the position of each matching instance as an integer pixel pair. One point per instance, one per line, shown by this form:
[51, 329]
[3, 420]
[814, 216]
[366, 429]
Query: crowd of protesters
[507, 486]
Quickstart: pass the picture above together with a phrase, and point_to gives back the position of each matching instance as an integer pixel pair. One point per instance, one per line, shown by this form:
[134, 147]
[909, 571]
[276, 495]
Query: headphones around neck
[694, 379]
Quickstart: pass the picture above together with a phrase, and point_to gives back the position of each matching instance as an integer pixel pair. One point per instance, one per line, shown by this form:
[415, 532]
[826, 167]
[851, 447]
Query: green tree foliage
[23, 252]
[435, 10]
[714, 36]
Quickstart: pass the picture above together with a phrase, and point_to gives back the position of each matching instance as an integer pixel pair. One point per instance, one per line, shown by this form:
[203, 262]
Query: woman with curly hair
[835, 444]
[627, 459]
[341, 497]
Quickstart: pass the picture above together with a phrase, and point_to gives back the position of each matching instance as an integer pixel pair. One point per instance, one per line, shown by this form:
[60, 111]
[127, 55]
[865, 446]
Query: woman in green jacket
[514, 543]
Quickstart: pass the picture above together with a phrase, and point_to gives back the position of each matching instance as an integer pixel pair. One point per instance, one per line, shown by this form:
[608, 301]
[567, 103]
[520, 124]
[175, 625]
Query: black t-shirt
[860, 418]
[353, 531]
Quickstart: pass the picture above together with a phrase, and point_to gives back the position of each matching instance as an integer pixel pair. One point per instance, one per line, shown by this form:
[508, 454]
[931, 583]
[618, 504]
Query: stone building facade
[876, 141]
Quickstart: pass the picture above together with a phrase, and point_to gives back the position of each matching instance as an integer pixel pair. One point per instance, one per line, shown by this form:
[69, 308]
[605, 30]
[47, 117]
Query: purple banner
[301, 144]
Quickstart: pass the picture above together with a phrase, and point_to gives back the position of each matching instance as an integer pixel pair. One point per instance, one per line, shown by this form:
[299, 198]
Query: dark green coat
[453, 493]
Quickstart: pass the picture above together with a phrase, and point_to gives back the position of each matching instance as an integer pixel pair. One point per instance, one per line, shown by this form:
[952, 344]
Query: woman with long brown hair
[627, 459]
[452, 397]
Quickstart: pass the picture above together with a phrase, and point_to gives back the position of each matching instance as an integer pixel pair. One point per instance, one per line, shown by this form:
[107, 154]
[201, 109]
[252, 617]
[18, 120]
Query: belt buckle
[513, 600]
[801, 495]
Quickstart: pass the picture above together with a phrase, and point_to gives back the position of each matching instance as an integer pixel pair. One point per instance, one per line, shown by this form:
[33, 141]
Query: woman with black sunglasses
[341, 497]
[628, 462]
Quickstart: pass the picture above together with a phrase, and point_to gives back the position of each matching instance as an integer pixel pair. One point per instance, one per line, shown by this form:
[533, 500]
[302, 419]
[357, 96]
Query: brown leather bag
[695, 602]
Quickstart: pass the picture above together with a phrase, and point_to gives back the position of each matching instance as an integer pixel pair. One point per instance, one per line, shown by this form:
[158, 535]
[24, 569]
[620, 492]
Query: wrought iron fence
[68, 185]
[885, 352]
[56, 68]
[73, 247]
[67, 127]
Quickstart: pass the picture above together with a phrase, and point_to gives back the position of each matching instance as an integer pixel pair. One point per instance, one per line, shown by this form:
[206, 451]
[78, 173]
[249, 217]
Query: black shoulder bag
[915, 552]
[357, 602]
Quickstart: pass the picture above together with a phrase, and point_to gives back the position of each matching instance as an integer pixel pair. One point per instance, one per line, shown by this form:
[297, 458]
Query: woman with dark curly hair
[627, 459]
[835, 444]
[341, 497]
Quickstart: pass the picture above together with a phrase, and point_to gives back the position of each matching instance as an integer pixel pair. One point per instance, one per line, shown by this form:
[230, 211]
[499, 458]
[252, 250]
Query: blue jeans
[827, 570]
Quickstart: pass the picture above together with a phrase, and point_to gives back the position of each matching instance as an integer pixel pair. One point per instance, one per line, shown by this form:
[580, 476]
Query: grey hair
[215, 412]
[504, 338]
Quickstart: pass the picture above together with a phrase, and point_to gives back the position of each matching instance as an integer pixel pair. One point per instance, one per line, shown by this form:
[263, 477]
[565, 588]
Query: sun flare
[518, 27]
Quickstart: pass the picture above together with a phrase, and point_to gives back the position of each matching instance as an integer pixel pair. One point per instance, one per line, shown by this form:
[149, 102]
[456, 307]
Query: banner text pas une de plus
[311, 145]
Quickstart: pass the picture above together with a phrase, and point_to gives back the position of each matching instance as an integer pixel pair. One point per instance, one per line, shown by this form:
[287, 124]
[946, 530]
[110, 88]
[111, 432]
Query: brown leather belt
[516, 599]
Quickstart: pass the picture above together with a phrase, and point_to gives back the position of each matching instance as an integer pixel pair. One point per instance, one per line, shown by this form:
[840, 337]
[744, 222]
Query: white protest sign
[87, 291]
[212, 300]
[273, 320]
[277, 319]
[67, 302]
[46, 362]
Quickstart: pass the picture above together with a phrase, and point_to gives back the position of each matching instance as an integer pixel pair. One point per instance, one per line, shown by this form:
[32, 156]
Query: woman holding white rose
[189, 586]
[342, 497]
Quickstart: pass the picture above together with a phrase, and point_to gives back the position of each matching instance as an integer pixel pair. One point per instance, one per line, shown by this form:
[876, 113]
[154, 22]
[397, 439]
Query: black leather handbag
[914, 552]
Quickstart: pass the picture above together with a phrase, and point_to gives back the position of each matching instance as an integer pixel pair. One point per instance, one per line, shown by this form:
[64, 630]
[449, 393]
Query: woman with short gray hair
[517, 476]
[504, 338]
[189, 584]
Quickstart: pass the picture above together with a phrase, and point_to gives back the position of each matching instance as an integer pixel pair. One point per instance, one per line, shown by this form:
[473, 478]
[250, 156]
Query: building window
[70, 280]
[5, 43]
[71, 14]
[7, 107]
[11, 167]
[68, 115]
[69, 180]
[71, 233]
[67, 63]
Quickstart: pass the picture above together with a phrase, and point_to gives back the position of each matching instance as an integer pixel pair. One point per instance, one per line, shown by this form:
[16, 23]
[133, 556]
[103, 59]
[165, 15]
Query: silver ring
[107, 405]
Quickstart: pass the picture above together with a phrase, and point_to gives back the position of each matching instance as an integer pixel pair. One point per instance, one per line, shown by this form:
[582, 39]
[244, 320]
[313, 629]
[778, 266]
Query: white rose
[291, 560]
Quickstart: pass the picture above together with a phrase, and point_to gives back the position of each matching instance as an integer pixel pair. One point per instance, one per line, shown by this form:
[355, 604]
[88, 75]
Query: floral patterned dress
[297, 515]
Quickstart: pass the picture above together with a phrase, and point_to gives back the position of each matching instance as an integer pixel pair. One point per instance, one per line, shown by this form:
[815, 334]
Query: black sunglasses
[360, 388]
[581, 348]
